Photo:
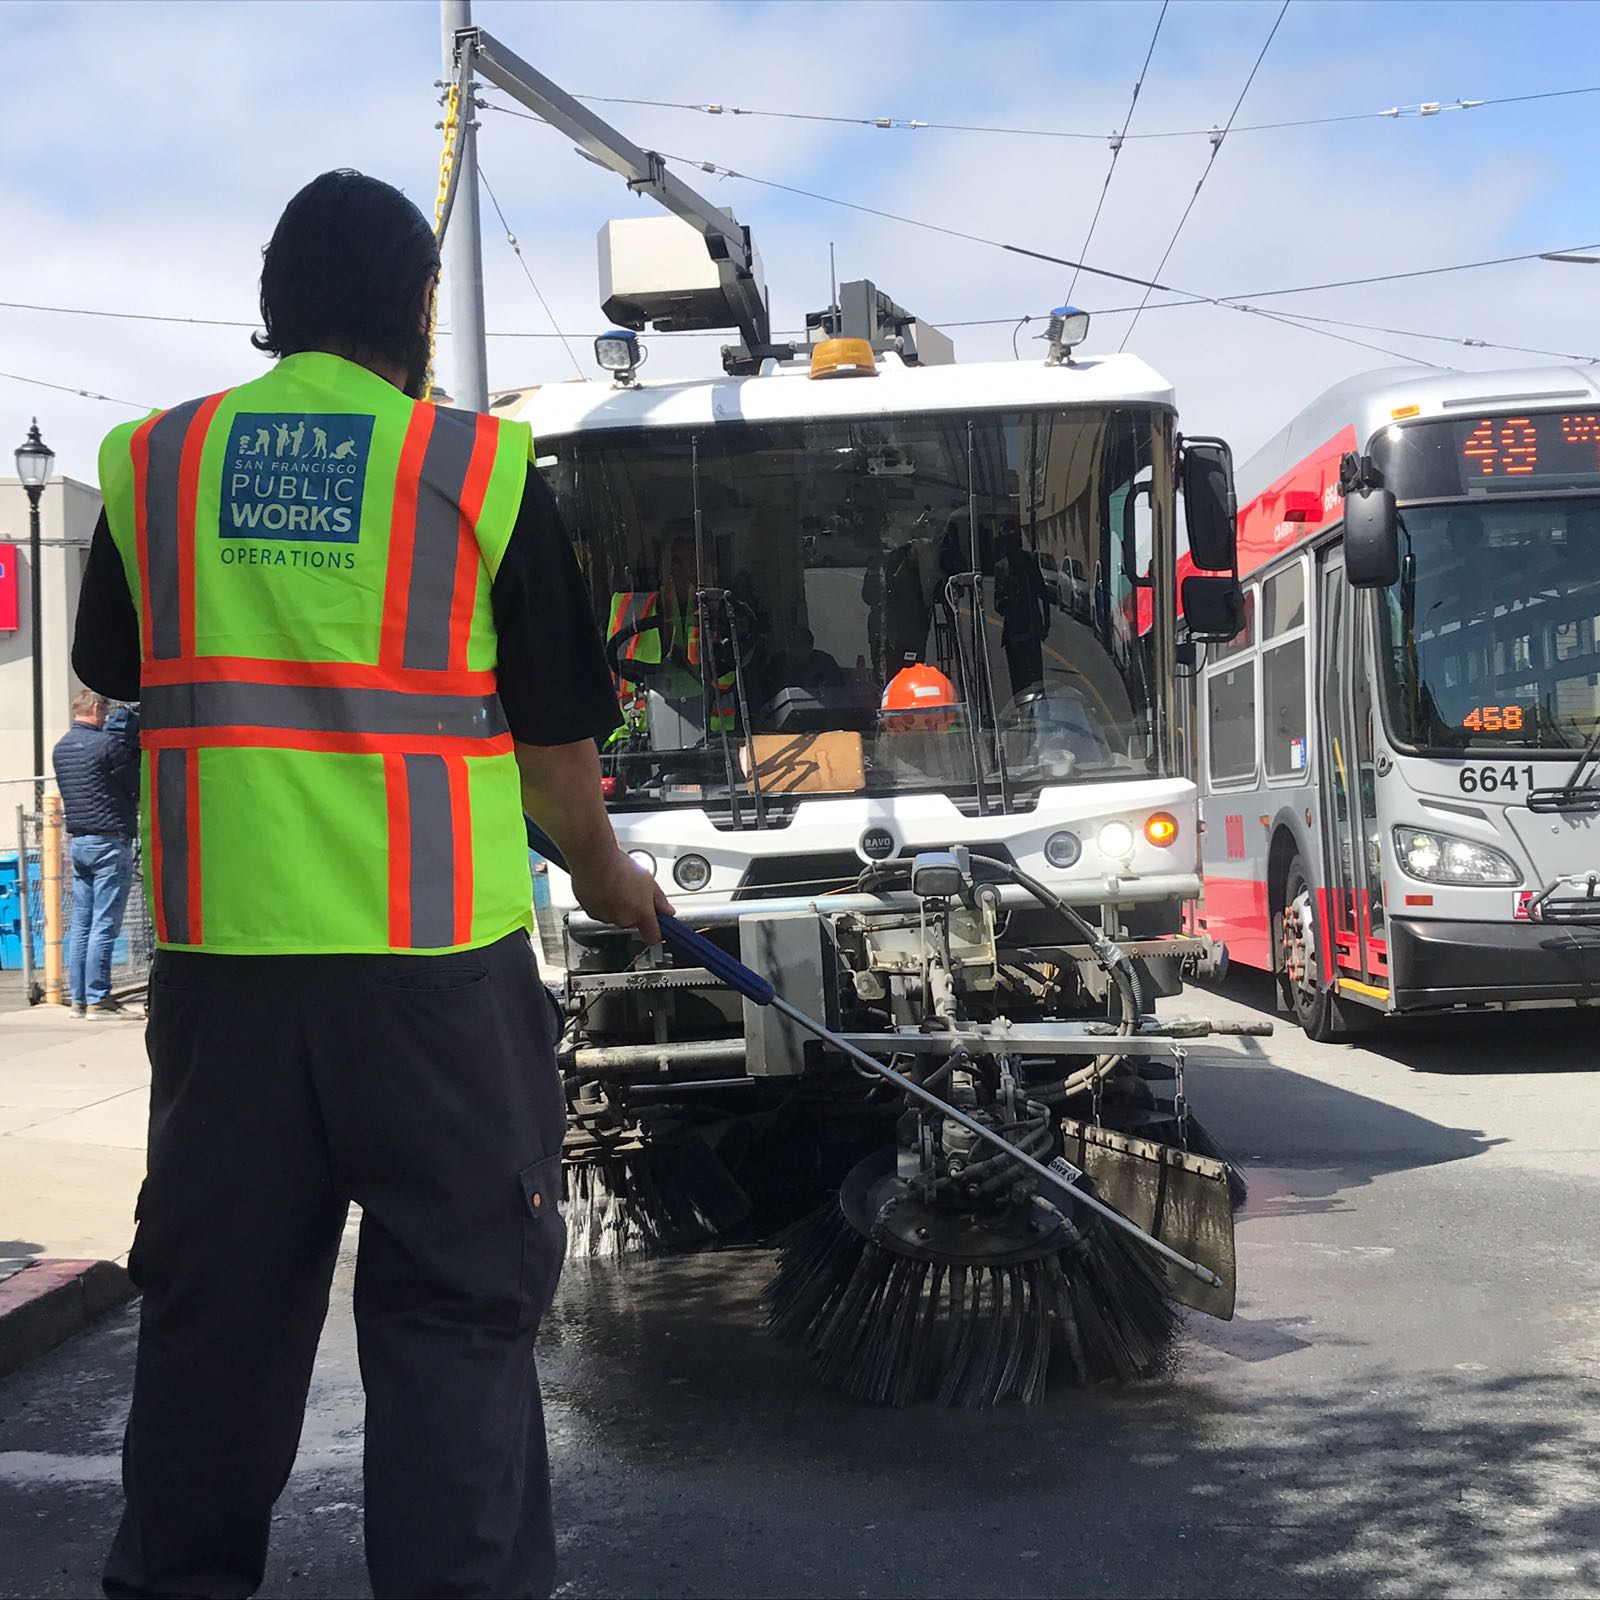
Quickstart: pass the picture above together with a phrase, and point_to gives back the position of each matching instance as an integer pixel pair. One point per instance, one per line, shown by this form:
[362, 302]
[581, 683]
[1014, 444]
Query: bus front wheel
[1295, 950]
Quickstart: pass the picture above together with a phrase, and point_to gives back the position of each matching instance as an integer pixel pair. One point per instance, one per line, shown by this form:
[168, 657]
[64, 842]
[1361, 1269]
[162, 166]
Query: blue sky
[150, 148]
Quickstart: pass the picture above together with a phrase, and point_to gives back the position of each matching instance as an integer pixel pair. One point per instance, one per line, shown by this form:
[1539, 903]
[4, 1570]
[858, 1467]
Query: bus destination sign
[1529, 450]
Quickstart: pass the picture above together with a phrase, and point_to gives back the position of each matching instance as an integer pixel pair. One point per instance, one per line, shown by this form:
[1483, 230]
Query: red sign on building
[10, 617]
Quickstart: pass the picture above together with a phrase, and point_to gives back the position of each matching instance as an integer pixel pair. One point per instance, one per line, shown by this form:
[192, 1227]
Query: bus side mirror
[1371, 539]
[1210, 510]
[1213, 608]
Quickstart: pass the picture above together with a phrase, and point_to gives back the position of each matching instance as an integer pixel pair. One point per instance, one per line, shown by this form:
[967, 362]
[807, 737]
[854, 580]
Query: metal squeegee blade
[1180, 1198]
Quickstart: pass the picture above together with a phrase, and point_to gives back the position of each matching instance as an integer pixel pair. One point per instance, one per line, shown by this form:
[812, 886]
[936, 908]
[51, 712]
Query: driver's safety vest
[680, 623]
[326, 768]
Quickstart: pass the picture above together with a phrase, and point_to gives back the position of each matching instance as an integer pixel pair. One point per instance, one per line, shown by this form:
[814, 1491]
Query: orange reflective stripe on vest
[430, 888]
[433, 557]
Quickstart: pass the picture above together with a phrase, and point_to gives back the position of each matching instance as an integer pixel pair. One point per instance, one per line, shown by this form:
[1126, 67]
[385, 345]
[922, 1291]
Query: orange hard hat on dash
[920, 698]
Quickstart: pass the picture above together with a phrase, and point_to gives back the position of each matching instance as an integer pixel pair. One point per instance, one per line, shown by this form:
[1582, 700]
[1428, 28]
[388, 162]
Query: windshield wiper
[1574, 794]
[1574, 783]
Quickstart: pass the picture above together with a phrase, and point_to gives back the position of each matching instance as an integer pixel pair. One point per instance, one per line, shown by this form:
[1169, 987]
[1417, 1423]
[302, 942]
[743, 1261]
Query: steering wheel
[634, 672]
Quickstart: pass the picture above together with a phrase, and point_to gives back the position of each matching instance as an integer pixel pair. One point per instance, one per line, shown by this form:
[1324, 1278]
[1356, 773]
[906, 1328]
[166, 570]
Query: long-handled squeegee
[697, 949]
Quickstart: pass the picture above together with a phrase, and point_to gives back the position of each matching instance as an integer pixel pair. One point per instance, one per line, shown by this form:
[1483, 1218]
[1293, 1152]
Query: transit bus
[1396, 753]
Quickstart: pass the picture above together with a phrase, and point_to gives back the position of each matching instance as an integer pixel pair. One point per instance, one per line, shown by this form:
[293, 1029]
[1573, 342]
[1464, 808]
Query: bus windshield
[793, 596]
[1491, 638]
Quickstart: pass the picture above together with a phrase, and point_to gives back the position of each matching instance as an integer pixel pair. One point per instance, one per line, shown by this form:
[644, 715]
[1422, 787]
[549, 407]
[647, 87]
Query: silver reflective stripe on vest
[438, 540]
[322, 709]
[172, 821]
[432, 864]
[162, 468]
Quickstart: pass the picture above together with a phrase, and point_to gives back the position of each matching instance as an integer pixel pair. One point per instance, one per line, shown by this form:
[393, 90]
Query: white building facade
[68, 511]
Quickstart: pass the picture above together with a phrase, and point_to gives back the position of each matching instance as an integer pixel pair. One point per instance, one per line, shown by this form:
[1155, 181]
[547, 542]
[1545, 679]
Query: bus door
[1351, 925]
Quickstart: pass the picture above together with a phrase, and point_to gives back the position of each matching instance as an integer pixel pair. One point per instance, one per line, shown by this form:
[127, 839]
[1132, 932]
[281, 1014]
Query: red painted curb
[49, 1301]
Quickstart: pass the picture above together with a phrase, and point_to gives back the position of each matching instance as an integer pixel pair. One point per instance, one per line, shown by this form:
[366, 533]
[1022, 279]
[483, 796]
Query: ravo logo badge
[295, 476]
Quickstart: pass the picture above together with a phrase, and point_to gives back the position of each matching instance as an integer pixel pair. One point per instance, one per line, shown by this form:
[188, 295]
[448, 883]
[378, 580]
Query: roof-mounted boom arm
[645, 171]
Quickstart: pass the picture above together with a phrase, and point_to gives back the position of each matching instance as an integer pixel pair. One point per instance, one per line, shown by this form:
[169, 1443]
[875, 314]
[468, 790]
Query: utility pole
[463, 241]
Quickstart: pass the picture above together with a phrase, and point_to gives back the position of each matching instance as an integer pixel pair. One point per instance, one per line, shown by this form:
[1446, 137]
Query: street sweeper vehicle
[923, 807]
[867, 751]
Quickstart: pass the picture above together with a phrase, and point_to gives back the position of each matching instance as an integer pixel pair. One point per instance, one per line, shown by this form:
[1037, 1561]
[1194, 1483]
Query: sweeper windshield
[761, 588]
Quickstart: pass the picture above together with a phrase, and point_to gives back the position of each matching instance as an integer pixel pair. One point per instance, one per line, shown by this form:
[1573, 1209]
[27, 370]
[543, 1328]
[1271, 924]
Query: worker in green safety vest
[346, 614]
[654, 639]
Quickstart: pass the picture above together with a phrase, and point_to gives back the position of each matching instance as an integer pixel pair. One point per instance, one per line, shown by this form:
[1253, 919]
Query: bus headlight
[1443, 858]
[1062, 850]
[691, 872]
[643, 860]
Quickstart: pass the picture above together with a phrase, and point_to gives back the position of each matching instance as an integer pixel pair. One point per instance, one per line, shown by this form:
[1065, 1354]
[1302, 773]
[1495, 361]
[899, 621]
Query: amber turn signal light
[1160, 828]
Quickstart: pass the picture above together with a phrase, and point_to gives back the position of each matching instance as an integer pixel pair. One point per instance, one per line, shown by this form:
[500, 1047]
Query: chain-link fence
[36, 915]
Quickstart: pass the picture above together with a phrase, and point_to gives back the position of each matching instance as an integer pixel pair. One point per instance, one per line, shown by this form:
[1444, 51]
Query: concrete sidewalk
[74, 1101]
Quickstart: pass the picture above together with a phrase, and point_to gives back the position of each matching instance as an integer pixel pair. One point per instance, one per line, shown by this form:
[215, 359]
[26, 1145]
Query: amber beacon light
[843, 358]
[1160, 828]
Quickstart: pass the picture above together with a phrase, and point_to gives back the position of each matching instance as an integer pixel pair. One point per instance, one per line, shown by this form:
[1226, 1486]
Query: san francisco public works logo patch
[295, 476]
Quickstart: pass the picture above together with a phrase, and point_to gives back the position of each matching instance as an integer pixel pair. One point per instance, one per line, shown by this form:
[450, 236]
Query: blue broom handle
[680, 936]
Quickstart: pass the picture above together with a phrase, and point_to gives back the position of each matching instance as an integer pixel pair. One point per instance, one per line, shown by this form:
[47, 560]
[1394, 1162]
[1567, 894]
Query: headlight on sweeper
[1443, 858]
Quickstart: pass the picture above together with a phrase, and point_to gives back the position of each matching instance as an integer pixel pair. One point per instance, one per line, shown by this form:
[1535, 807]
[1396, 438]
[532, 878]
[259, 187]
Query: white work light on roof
[619, 353]
[1067, 328]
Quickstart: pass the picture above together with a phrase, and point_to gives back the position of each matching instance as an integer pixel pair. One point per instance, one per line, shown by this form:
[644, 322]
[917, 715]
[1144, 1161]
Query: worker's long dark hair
[349, 268]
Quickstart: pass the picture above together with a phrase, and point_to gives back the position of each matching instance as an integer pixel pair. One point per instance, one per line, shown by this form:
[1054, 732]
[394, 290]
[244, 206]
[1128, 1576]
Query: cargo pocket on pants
[544, 1238]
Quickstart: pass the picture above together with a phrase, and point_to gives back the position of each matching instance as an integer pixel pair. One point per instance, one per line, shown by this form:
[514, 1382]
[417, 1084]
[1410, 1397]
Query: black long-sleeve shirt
[552, 676]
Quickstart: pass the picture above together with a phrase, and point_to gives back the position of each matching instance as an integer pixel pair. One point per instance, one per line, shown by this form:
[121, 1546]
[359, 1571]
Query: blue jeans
[102, 869]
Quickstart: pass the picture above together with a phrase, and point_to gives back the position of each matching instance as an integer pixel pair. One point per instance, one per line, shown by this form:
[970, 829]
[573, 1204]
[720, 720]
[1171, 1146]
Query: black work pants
[282, 1088]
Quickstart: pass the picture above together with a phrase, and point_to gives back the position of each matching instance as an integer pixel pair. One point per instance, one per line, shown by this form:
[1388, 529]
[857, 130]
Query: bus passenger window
[1283, 672]
[1231, 722]
[1283, 702]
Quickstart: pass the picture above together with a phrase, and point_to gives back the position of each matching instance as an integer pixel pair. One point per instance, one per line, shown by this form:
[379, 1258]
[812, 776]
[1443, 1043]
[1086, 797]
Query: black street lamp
[34, 461]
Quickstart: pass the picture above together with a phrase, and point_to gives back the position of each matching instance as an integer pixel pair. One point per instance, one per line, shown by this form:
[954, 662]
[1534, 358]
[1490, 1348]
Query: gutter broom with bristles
[890, 1328]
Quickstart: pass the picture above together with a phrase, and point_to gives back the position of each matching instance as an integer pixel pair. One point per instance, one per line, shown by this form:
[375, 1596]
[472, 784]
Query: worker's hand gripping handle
[683, 940]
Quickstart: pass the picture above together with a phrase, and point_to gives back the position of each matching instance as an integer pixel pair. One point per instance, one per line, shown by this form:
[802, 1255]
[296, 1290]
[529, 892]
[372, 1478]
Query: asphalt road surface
[1408, 1402]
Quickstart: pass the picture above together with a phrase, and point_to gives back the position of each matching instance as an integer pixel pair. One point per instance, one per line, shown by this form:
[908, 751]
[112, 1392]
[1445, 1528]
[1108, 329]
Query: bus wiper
[1574, 783]
[1575, 794]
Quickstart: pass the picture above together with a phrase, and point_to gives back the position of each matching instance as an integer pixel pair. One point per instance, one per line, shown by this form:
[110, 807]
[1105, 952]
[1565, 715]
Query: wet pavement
[1408, 1402]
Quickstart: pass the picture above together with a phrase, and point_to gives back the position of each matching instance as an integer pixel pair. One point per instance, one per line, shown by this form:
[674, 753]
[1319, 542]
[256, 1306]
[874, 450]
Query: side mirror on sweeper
[1210, 508]
[1213, 607]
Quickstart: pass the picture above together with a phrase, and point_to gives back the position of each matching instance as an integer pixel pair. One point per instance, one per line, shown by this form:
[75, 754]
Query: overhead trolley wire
[1414, 112]
[1211, 161]
[527, 271]
[85, 394]
[1116, 150]
[219, 322]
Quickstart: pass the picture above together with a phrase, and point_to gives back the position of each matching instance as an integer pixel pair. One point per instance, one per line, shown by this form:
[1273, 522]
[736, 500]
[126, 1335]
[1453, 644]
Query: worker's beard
[418, 358]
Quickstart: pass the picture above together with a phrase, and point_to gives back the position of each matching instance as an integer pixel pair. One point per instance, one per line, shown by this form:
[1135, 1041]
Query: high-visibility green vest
[679, 632]
[326, 764]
